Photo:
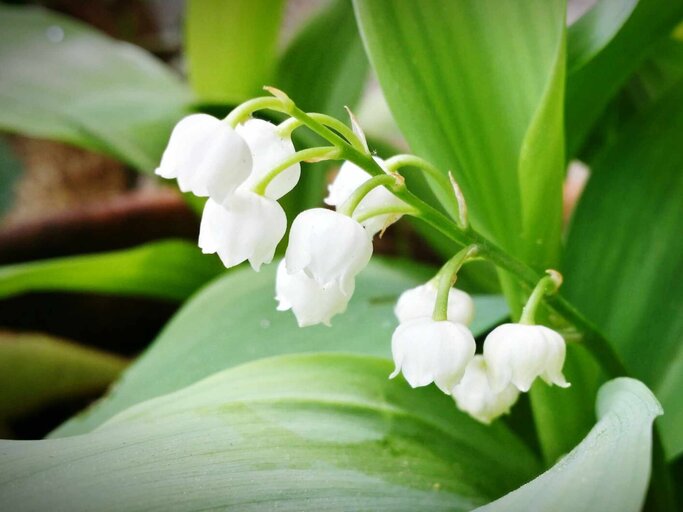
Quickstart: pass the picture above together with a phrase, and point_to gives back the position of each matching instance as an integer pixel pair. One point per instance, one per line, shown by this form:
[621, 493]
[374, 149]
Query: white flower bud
[310, 302]
[348, 179]
[518, 353]
[419, 302]
[268, 150]
[427, 351]
[249, 230]
[328, 247]
[207, 157]
[474, 394]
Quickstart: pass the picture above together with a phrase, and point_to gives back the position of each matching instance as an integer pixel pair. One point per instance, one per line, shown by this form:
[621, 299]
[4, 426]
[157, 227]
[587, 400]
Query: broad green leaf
[592, 85]
[171, 270]
[476, 87]
[230, 47]
[623, 256]
[234, 320]
[303, 432]
[609, 471]
[38, 370]
[62, 80]
[323, 69]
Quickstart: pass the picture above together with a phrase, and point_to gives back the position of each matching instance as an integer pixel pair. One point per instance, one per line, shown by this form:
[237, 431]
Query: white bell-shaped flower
[474, 395]
[311, 302]
[268, 150]
[419, 302]
[518, 353]
[328, 247]
[249, 230]
[207, 157]
[427, 351]
[348, 179]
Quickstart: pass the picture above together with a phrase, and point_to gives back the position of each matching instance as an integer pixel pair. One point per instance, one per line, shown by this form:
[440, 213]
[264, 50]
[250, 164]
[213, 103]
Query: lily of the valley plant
[244, 165]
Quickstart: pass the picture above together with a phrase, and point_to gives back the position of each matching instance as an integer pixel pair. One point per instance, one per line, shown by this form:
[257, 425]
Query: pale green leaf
[171, 270]
[231, 47]
[304, 432]
[234, 320]
[65, 81]
[609, 470]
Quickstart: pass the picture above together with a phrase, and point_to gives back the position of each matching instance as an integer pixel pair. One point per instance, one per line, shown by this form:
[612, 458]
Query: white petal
[556, 352]
[207, 157]
[348, 179]
[427, 351]
[474, 395]
[517, 354]
[310, 302]
[328, 247]
[419, 302]
[249, 230]
[268, 150]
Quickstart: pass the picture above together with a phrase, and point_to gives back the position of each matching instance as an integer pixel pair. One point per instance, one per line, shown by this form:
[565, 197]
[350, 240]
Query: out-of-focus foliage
[10, 170]
[38, 370]
[65, 81]
[231, 47]
[622, 263]
[168, 270]
[591, 84]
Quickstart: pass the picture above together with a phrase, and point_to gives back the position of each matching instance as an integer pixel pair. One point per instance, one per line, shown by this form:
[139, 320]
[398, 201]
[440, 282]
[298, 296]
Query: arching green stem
[446, 278]
[349, 206]
[546, 286]
[386, 210]
[305, 155]
[242, 112]
[287, 127]
[397, 162]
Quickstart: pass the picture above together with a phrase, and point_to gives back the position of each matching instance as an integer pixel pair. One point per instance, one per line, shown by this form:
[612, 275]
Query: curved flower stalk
[419, 302]
[348, 179]
[268, 149]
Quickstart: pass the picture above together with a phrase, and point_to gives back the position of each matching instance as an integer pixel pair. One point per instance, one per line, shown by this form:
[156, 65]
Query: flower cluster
[244, 167]
[326, 250]
[443, 352]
